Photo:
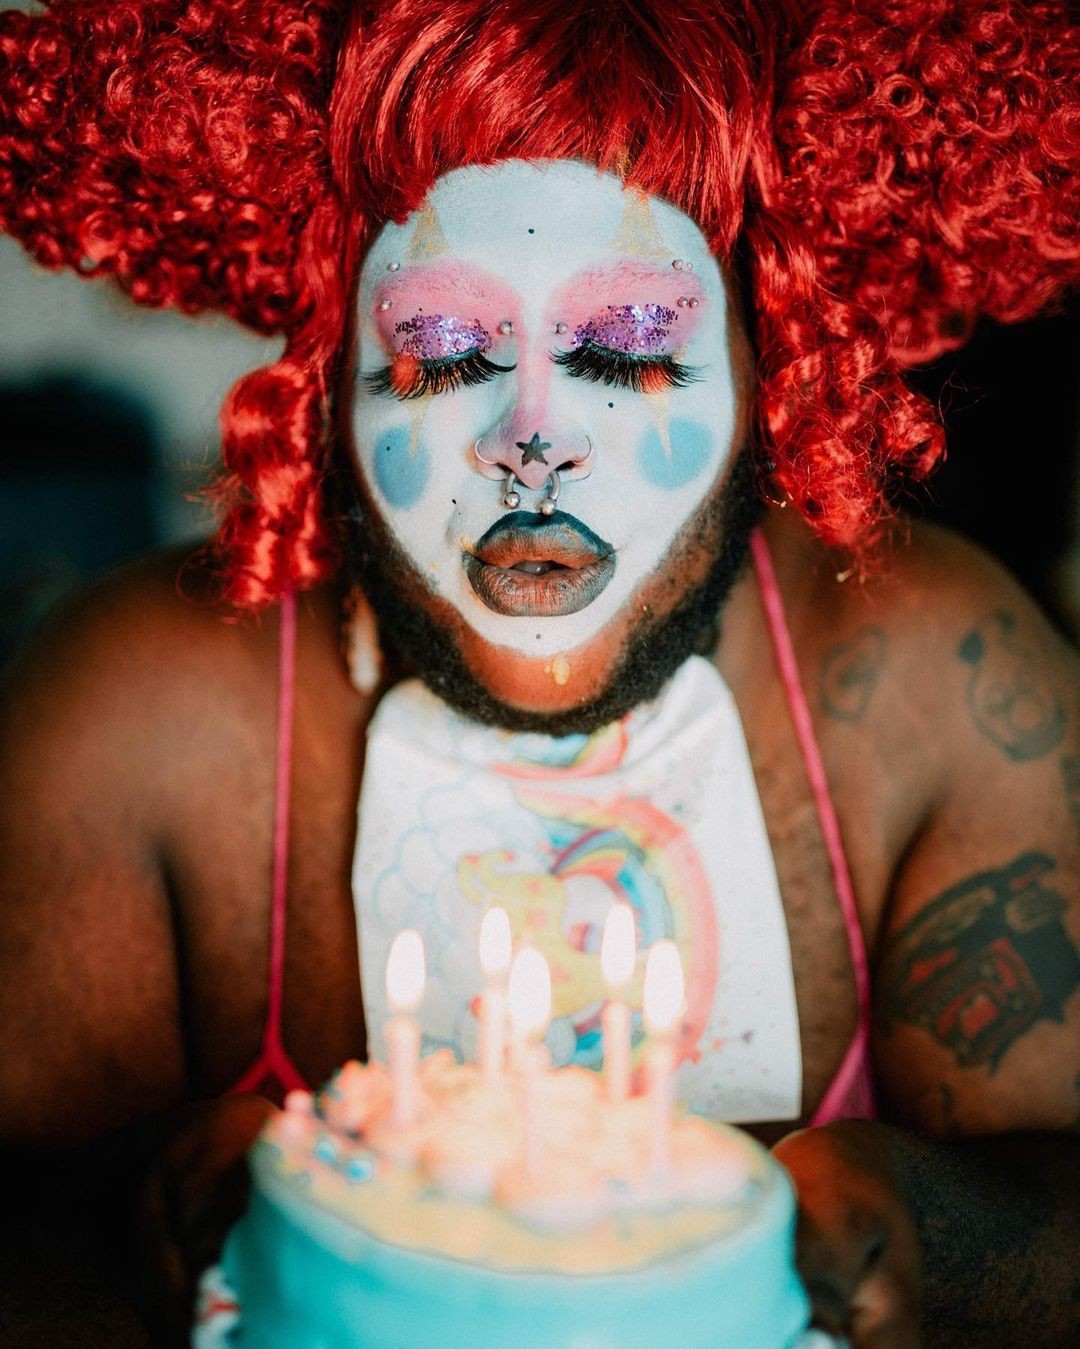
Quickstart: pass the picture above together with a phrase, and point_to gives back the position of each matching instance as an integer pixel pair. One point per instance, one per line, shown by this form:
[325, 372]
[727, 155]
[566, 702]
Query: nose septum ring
[512, 497]
[547, 506]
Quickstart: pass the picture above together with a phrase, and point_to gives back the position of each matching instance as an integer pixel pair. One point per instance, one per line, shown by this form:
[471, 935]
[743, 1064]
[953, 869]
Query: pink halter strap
[850, 1092]
[273, 1071]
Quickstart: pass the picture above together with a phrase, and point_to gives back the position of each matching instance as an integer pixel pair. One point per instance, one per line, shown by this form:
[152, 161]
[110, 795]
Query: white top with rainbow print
[659, 810]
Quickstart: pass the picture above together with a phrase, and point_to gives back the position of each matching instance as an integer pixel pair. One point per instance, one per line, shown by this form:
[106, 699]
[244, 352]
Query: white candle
[617, 953]
[405, 977]
[529, 1000]
[663, 1006]
[495, 952]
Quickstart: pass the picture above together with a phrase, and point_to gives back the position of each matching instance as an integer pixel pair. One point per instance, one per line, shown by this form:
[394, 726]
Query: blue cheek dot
[401, 471]
[691, 450]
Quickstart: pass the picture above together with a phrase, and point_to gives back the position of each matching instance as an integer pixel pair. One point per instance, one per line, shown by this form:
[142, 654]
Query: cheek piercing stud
[384, 305]
[393, 266]
[547, 506]
[511, 499]
[506, 327]
[560, 328]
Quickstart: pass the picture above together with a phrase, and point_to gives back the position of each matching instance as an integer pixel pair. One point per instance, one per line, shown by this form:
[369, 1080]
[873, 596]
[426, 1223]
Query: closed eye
[412, 377]
[642, 374]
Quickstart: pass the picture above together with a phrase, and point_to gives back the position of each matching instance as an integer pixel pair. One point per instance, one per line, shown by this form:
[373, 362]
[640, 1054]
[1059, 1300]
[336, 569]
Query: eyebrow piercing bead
[560, 328]
[547, 506]
[511, 499]
[678, 264]
[506, 327]
[393, 266]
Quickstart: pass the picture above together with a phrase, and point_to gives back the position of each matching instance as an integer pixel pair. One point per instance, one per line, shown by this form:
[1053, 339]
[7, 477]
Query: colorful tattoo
[851, 673]
[984, 962]
[1008, 696]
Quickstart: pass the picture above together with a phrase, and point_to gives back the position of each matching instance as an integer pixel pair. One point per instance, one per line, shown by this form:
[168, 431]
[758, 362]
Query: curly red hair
[885, 170]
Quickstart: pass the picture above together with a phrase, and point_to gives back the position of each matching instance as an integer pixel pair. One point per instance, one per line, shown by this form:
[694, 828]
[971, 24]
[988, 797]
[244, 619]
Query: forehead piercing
[384, 305]
[560, 328]
[506, 328]
[511, 498]
[547, 506]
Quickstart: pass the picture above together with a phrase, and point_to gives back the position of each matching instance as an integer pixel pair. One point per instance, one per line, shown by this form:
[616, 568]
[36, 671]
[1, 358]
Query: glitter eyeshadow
[431, 336]
[637, 329]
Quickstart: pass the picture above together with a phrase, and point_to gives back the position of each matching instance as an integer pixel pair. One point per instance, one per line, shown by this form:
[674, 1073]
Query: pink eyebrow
[448, 287]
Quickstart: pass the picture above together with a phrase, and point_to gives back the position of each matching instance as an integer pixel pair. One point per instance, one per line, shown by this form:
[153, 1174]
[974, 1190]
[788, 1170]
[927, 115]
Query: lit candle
[495, 951]
[663, 1006]
[617, 954]
[529, 999]
[405, 976]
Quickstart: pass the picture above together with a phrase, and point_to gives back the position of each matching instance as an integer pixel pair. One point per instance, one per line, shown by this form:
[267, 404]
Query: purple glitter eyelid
[636, 329]
[431, 337]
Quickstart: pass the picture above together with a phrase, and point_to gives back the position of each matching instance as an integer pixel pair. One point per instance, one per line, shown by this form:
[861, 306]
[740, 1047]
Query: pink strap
[851, 1085]
[273, 1067]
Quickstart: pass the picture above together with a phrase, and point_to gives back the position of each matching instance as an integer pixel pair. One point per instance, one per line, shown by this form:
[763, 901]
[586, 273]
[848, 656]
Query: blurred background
[108, 430]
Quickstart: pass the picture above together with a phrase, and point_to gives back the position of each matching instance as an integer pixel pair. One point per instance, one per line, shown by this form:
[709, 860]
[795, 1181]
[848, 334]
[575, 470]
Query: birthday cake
[460, 1228]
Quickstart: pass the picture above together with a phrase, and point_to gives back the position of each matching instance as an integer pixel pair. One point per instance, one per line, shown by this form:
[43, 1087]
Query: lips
[530, 566]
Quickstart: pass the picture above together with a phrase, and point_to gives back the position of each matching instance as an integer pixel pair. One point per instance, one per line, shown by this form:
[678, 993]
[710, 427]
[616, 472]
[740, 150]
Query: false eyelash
[440, 374]
[596, 363]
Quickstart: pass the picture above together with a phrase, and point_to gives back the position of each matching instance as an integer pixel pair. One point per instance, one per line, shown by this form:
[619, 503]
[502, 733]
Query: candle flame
[528, 994]
[664, 989]
[405, 972]
[618, 948]
[495, 943]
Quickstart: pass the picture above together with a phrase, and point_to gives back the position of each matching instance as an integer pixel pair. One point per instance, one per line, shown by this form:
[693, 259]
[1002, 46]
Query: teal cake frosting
[365, 1238]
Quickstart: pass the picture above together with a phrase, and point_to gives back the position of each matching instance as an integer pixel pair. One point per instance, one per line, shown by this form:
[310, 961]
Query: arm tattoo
[1007, 694]
[850, 674]
[983, 962]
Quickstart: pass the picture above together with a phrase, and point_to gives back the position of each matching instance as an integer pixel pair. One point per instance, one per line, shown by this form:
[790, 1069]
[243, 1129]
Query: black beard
[654, 650]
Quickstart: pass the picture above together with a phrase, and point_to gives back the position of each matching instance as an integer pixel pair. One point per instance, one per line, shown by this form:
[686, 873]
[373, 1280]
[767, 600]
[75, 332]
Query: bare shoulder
[117, 725]
[978, 991]
[148, 658]
[128, 644]
[945, 648]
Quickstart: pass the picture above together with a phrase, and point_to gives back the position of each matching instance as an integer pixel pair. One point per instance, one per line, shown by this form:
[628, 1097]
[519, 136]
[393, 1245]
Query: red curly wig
[885, 171]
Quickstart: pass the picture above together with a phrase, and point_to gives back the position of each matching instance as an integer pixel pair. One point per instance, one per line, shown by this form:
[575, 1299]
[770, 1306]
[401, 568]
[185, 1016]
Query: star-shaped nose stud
[532, 451]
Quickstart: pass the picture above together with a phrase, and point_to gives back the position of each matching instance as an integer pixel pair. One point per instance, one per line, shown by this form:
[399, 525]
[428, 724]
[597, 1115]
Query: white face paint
[529, 261]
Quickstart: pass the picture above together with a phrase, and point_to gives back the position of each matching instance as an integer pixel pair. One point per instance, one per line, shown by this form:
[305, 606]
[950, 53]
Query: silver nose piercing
[547, 506]
[512, 497]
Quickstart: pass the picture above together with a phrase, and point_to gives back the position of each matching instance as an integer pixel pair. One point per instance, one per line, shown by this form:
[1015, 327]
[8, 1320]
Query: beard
[422, 645]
